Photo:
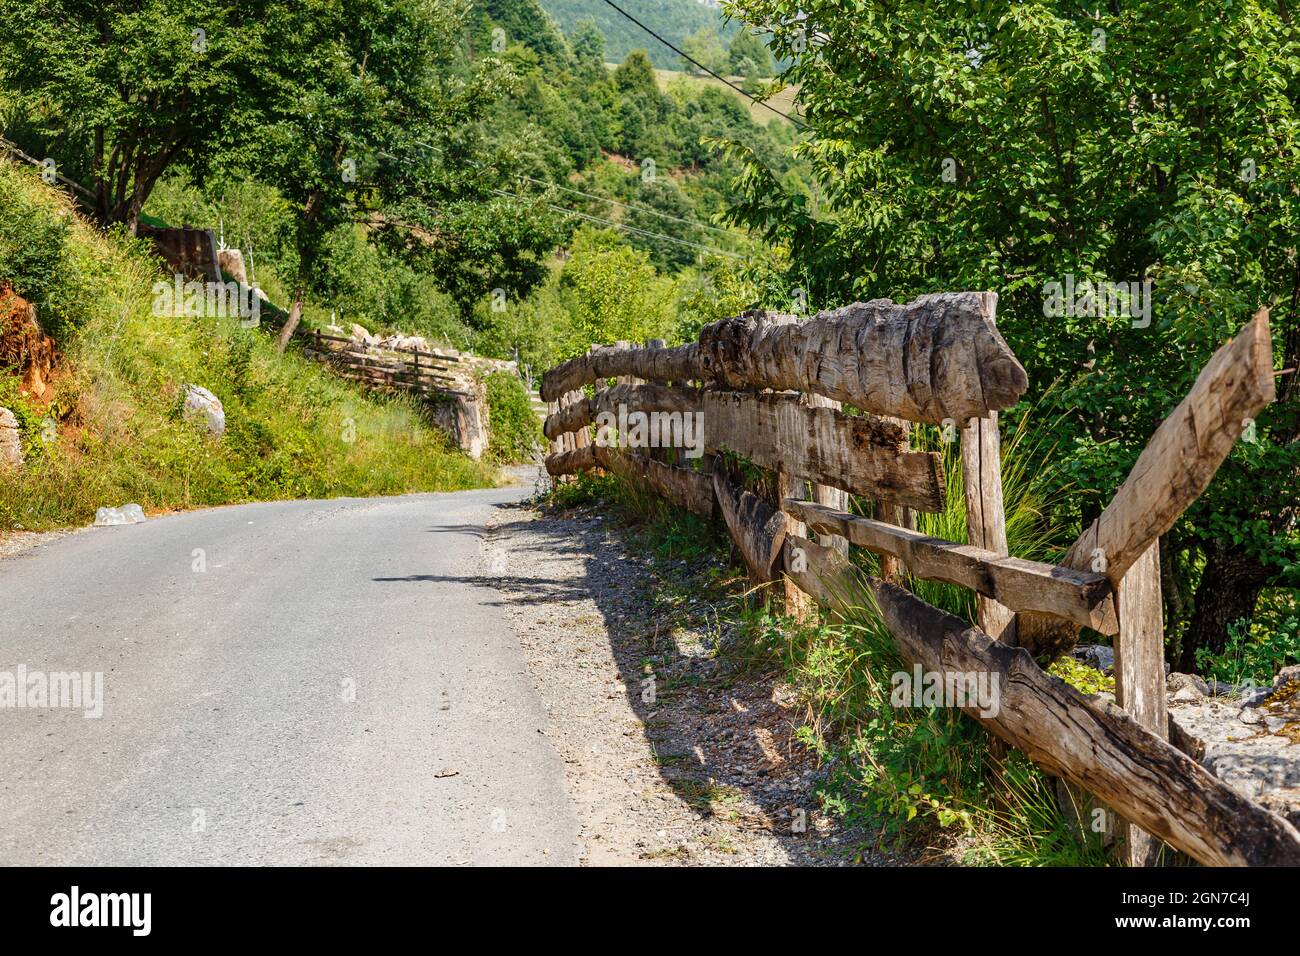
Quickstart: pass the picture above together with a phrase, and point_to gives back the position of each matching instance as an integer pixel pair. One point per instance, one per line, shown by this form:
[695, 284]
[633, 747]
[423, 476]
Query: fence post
[986, 521]
[1140, 674]
[798, 603]
[892, 569]
[986, 527]
[827, 495]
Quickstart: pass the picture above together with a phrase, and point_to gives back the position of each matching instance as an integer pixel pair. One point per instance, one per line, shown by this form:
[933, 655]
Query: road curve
[331, 689]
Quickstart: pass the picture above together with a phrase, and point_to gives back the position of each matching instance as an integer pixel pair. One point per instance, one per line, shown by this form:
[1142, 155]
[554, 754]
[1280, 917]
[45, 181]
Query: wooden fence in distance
[771, 389]
[410, 370]
[457, 406]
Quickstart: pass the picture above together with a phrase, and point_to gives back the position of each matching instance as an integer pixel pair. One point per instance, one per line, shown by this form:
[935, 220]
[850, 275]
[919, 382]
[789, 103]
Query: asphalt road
[337, 687]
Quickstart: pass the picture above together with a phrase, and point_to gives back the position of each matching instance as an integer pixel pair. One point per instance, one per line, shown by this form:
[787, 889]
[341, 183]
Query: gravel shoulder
[669, 757]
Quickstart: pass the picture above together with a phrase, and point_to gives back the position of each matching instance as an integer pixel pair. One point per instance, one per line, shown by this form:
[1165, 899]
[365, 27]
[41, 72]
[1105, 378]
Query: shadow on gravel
[722, 743]
[516, 591]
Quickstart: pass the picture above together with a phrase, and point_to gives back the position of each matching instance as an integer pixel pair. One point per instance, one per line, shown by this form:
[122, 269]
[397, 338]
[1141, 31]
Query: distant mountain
[674, 20]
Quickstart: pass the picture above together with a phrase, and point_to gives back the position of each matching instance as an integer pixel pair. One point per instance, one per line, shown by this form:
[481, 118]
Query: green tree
[662, 195]
[374, 118]
[1008, 146]
[704, 48]
[614, 293]
[117, 92]
[749, 56]
[641, 107]
[589, 47]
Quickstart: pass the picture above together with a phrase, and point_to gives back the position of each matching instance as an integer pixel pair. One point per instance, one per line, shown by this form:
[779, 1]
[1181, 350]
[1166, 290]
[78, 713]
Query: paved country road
[335, 687]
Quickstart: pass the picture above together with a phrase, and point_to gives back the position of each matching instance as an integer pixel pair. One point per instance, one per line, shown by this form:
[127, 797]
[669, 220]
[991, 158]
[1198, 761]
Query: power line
[690, 59]
[578, 192]
[645, 233]
[634, 207]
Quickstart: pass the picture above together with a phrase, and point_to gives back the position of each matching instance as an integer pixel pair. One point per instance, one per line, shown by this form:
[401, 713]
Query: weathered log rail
[771, 389]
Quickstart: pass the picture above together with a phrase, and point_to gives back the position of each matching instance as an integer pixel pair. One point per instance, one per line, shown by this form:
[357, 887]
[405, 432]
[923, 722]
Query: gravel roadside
[669, 758]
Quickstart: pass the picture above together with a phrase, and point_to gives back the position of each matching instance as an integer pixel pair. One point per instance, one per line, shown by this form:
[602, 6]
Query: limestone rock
[1255, 749]
[11, 448]
[202, 405]
[232, 265]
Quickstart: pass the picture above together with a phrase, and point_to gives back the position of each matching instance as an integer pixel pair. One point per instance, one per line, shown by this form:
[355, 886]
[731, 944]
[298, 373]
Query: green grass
[117, 433]
[916, 777]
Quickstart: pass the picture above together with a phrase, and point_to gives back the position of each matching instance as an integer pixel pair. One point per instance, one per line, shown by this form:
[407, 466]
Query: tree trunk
[291, 324]
[1229, 588]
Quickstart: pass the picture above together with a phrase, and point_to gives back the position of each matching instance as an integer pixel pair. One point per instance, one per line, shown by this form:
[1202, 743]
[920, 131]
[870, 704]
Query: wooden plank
[798, 604]
[604, 362]
[570, 461]
[688, 489]
[756, 527]
[1177, 464]
[1014, 582]
[861, 454]
[556, 446]
[1088, 741]
[824, 445]
[939, 356]
[821, 572]
[1140, 673]
[986, 524]
[645, 398]
[829, 495]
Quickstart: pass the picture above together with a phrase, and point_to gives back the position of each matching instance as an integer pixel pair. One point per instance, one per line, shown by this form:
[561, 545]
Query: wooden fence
[771, 389]
[410, 370]
[457, 406]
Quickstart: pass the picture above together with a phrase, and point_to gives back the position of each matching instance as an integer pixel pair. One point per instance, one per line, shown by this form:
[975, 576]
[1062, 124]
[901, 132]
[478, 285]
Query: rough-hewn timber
[641, 398]
[938, 357]
[1176, 466]
[1089, 742]
[1021, 585]
[756, 527]
[862, 454]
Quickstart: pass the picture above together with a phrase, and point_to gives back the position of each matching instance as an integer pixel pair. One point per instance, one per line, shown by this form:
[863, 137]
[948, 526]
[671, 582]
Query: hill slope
[110, 430]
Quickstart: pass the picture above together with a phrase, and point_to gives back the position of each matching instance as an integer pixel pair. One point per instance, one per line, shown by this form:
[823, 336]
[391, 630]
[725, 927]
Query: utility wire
[690, 59]
[645, 233]
[578, 192]
[634, 207]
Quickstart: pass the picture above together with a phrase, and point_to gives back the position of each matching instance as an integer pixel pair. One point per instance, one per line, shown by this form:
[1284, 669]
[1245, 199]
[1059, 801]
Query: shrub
[33, 238]
[515, 429]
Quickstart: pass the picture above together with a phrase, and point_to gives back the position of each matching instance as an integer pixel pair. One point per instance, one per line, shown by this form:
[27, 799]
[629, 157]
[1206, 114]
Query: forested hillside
[674, 20]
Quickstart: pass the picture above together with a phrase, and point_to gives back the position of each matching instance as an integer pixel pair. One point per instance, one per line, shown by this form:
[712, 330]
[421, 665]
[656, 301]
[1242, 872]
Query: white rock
[361, 335]
[1250, 715]
[127, 514]
[1177, 683]
[11, 449]
[202, 404]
